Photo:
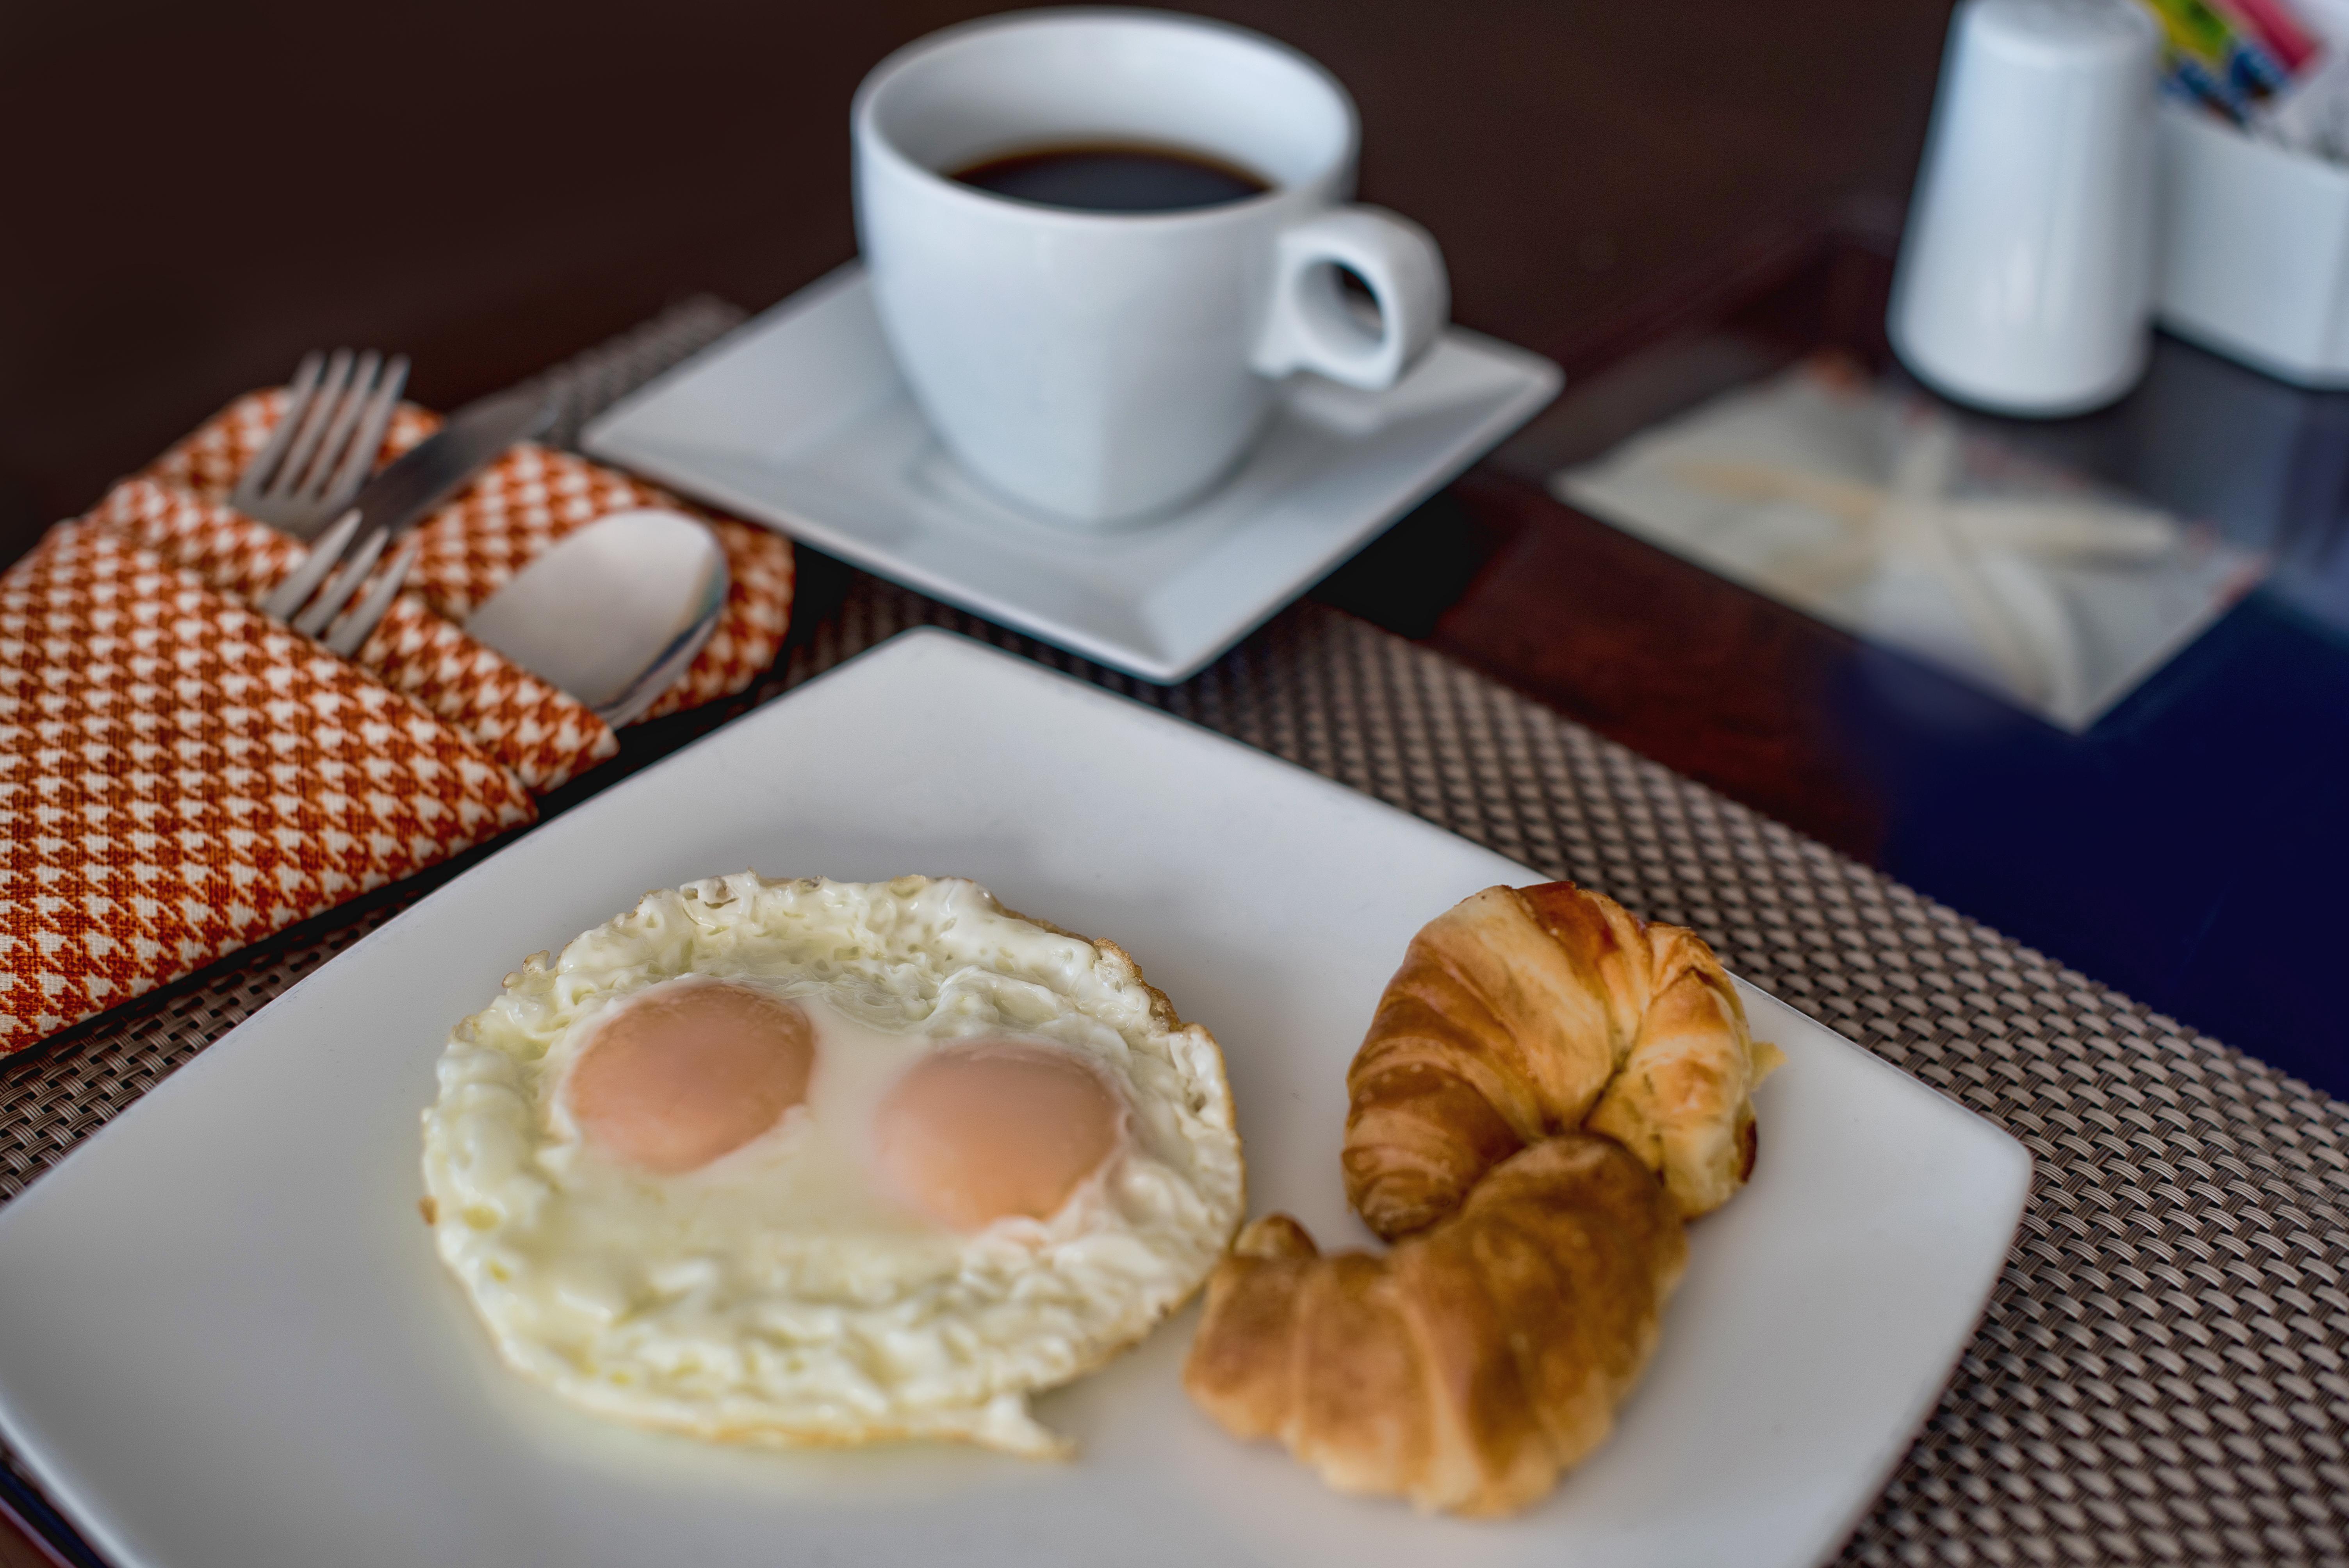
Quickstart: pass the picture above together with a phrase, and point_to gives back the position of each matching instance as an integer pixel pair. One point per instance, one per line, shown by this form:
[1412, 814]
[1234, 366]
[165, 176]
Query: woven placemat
[2159, 1376]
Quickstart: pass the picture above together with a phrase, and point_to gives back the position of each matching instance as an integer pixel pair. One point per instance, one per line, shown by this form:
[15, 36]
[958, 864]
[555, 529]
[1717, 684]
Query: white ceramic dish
[225, 1339]
[801, 421]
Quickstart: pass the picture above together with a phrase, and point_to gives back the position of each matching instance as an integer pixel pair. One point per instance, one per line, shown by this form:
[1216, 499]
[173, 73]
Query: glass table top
[2190, 846]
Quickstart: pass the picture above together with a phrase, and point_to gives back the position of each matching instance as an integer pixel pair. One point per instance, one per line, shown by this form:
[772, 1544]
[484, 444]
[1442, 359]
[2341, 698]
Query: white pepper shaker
[2025, 279]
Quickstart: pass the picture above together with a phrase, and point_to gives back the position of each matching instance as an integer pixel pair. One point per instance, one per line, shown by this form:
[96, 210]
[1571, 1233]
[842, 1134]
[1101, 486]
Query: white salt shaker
[2025, 279]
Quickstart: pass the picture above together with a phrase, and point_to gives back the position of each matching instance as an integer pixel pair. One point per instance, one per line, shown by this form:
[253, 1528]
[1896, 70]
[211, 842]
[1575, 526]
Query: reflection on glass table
[1860, 502]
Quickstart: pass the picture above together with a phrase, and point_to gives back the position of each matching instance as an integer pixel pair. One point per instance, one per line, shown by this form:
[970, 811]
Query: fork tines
[326, 443]
[313, 606]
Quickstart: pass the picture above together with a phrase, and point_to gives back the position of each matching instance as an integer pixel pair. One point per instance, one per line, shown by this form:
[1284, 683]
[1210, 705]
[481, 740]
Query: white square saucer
[800, 421]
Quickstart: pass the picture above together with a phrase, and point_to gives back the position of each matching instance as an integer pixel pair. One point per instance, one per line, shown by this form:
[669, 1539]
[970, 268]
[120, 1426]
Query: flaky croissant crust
[1472, 1363]
[1525, 1012]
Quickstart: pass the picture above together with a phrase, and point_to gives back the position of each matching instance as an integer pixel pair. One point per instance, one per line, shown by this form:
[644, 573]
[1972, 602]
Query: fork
[314, 606]
[325, 443]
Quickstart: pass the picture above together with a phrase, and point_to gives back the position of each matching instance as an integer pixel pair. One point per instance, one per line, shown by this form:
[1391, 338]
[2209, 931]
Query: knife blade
[436, 467]
[417, 480]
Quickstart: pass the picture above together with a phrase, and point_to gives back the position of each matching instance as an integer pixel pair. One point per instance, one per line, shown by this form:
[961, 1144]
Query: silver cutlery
[614, 613]
[310, 602]
[313, 598]
[324, 444]
[435, 469]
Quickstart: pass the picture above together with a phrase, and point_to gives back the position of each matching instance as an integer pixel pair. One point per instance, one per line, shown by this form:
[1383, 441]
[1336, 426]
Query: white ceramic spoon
[614, 613]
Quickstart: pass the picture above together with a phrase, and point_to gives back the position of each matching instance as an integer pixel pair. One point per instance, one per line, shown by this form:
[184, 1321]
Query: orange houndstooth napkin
[181, 775]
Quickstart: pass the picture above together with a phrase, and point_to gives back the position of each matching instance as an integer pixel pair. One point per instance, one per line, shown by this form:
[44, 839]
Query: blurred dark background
[198, 193]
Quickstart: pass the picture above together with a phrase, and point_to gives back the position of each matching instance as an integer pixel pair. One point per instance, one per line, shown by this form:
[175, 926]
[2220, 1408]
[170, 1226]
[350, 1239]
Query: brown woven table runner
[2159, 1376]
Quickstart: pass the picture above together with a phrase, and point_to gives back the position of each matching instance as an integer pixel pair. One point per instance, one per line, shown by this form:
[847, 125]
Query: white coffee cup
[1102, 367]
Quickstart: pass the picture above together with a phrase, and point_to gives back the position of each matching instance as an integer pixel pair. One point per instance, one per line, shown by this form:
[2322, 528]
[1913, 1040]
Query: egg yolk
[687, 1072]
[975, 1133]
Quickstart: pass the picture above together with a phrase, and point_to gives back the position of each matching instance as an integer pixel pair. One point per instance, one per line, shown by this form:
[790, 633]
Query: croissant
[1523, 1012]
[1473, 1362]
[1549, 1088]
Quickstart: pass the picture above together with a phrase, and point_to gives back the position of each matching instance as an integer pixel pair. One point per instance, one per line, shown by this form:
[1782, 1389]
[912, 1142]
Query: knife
[435, 469]
[417, 480]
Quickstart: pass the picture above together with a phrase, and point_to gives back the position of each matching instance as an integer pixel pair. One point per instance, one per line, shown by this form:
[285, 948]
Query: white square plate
[801, 421]
[225, 1339]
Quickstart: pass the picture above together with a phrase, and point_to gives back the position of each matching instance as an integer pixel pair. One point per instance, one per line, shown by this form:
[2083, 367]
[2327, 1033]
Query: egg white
[776, 1295]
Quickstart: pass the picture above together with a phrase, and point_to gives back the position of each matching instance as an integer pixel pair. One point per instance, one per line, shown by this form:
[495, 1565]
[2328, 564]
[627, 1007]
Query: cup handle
[1310, 327]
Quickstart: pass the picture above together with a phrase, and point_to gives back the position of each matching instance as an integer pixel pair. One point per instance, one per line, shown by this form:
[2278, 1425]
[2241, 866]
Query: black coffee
[1114, 177]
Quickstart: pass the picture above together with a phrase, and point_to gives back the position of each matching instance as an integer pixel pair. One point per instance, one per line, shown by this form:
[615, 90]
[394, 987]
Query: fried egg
[828, 1163]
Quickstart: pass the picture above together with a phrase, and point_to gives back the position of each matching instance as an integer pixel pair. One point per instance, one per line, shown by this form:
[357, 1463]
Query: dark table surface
[2191, 846]
[1668, 199]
